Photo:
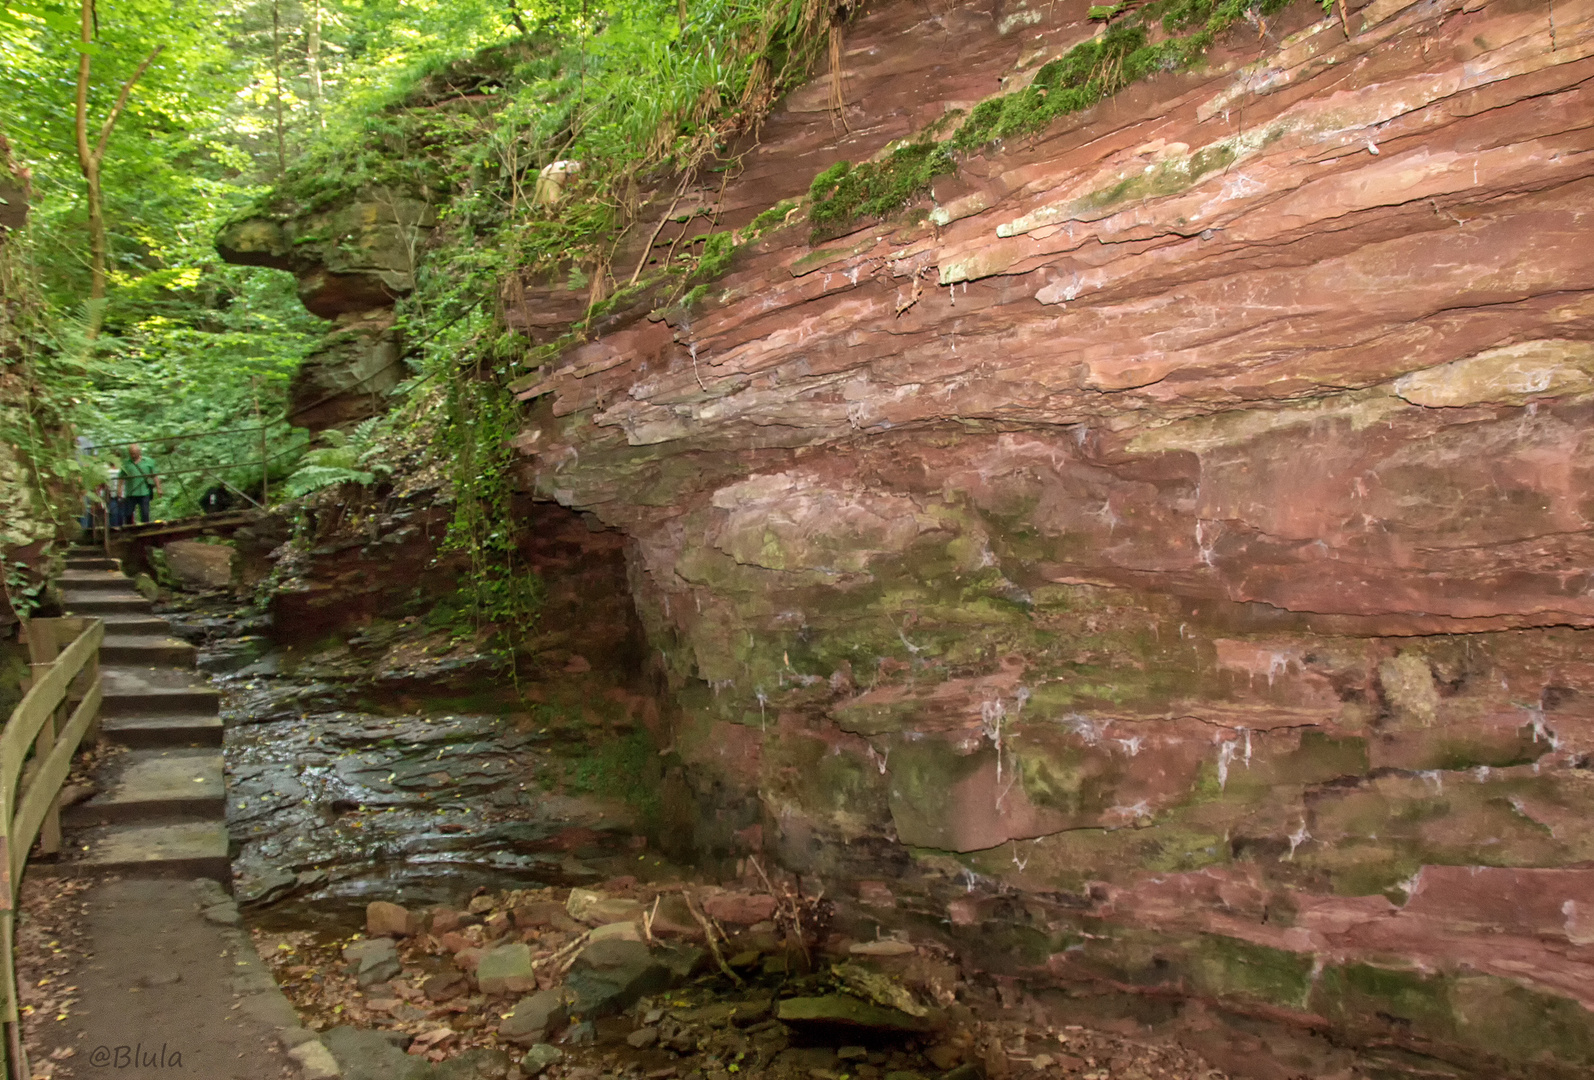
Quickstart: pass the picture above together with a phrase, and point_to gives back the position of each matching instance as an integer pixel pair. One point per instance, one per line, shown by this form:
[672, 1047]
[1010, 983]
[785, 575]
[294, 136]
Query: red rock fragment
[383, 919]
[741, 909]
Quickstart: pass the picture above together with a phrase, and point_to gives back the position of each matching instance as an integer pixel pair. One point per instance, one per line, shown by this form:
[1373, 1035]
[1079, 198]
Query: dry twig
[708, 932]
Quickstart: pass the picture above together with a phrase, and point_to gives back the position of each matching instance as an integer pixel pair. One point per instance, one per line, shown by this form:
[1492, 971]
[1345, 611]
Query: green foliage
[343, 458]
[716, 258]
[22, 587]
[498, 593]
[628, 91]
[773, 218]
[193, 365]
[845, 192]
[1085, 75]
[187, 346]
[623, 769]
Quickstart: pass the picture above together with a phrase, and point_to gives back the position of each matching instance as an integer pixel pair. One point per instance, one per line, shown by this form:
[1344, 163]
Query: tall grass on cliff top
[633, 90]
[638, 92]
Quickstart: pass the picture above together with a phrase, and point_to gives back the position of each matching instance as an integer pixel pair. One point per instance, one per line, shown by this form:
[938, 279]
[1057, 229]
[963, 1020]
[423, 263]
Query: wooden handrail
[34, 811]
[39, 707]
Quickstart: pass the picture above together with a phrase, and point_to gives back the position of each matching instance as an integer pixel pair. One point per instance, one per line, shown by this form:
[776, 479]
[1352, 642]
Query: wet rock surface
[332, 806]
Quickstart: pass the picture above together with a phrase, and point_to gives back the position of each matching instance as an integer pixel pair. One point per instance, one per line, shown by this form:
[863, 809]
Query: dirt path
[144, 979]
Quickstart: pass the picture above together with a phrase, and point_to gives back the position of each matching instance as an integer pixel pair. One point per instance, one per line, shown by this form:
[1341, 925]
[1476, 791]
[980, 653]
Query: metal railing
[60, 709]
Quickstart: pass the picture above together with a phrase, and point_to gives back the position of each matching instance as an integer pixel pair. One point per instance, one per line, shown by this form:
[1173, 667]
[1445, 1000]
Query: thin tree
[276, 83]
[312, 62]
[90, 159]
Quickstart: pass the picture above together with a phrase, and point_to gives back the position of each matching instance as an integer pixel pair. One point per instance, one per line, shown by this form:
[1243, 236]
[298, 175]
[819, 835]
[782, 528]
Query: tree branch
[514, 16]
[121, 99]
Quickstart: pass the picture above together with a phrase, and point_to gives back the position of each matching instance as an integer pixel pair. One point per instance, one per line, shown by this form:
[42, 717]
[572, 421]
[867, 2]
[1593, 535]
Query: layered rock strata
[353, 260]
[1167, 547]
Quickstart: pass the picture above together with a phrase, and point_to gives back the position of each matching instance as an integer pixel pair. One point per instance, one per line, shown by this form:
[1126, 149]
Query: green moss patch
[844, 192]
[1087, 74]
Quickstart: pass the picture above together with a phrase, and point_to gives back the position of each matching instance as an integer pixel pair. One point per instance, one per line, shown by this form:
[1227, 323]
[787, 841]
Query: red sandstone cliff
[1183, 518]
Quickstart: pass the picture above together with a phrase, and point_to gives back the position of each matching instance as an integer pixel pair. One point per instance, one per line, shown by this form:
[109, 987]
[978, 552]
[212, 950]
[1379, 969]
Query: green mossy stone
[1229, 968]
[922, 773]
[1322, 757]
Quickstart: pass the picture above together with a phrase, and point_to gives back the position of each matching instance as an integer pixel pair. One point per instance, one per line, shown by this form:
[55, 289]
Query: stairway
[160, 810]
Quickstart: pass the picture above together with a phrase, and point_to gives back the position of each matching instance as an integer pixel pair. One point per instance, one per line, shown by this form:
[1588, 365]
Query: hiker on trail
[110, 493]
[140, 483]
[85, 456]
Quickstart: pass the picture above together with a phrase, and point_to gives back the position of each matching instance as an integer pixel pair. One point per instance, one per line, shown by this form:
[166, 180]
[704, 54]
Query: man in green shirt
[139, 483]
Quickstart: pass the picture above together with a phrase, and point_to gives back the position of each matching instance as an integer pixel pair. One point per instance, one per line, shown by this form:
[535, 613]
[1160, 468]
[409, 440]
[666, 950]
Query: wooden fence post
[44, 645]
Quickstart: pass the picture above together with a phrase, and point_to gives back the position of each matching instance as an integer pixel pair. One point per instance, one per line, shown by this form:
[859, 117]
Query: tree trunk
[90, 165]
[312, 62]
[276, 80]
[514, 17]
[89, 159]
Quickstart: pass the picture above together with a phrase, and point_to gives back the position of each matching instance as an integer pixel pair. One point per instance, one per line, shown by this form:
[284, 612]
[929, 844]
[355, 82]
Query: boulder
[579, 900]
[595, 909]
[199, 565]
[373, 1055]
[383, 919]
[506, 970]
[539, 1057]
[446, 984]
[642, 1038]
[372, 961]
[453, 942]
[609, 976]
[482, 1063]
[672, 918]
[617, 931]
[444, 920]
[614, 909]
[682, 961]
[535, 1016]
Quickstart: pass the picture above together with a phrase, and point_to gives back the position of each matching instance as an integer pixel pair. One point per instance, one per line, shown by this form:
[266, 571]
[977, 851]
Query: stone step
[143, 732]
[78, 602]
[178, 849]
[147, 691]
[149, 650]
[94, 581]
[93, 562]
[149, 786]
[136, 624]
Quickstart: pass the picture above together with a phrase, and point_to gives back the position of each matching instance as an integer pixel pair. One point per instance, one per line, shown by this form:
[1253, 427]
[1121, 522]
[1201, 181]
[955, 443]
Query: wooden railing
[61, 708]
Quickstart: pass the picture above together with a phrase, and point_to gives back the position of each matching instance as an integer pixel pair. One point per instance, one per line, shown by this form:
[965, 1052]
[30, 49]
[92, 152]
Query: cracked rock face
[1181, 518]
[353, 260]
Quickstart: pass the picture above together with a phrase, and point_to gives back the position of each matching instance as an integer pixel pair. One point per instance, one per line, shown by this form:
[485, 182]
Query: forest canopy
[201, 110]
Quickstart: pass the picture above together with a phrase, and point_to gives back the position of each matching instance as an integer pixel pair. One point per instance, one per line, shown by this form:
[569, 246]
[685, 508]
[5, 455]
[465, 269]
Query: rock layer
[353, 260]
[1179, 520]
